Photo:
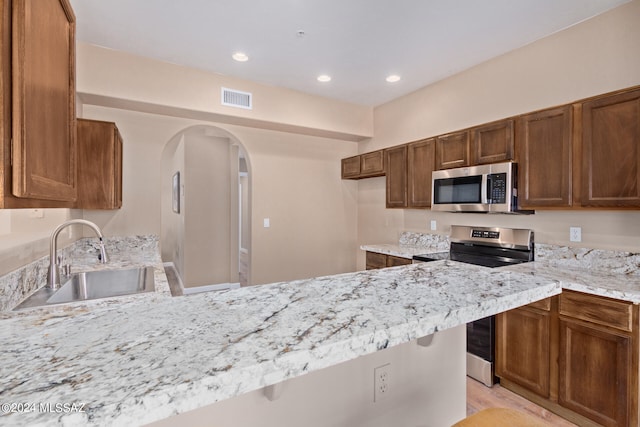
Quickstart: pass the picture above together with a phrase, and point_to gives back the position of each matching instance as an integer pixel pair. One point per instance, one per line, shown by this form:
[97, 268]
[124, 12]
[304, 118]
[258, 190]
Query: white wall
[593, 57]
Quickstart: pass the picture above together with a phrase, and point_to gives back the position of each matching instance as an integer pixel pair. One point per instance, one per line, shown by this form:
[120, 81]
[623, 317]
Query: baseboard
[554, 407]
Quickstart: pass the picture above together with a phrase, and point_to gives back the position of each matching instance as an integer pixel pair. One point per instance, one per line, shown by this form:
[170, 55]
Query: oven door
[460, 190]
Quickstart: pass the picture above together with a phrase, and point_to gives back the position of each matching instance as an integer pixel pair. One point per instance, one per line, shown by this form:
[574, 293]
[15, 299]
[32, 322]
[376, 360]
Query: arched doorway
[206, 208]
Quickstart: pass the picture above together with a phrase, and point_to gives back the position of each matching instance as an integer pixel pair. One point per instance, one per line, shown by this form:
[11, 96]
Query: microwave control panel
[497, 188]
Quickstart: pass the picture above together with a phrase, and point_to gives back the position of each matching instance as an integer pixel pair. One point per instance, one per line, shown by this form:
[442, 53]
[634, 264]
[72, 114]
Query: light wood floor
[480, 397]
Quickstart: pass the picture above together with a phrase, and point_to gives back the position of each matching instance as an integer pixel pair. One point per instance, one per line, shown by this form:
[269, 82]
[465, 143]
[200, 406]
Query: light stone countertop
[412, 243]
[607, 273]
[620, 286]
[140, 361]
[402, 251]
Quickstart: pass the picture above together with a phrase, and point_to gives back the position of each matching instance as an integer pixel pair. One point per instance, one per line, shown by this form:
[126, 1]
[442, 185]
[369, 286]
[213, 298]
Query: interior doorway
[206, 209]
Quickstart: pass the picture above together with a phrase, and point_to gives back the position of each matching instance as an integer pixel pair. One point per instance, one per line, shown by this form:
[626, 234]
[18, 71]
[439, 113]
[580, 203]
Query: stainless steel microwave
[484, 188]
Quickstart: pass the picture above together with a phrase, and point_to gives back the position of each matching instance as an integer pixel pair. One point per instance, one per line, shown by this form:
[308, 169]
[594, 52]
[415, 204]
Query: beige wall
[114, 78]
[207, 211]
[295, 181]
[426, 388]
[596, 56]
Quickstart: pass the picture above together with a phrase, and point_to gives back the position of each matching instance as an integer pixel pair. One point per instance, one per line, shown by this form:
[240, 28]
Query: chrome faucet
[53, 281]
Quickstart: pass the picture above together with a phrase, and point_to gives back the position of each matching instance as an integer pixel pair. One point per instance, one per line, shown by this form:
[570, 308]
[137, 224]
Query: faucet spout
[53, 280]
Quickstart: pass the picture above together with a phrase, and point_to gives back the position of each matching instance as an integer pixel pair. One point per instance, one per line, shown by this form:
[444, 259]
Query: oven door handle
[485, 188]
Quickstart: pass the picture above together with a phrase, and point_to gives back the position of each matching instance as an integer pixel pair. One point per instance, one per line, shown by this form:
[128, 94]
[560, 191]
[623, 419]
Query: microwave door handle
[484, 189]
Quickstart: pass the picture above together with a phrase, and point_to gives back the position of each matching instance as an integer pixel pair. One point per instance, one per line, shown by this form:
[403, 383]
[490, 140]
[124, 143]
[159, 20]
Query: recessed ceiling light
[393, 78]
[240, 57]
[324, 78]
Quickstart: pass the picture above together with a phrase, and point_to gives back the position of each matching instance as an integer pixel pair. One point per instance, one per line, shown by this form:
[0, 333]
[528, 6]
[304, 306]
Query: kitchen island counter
[142, 361]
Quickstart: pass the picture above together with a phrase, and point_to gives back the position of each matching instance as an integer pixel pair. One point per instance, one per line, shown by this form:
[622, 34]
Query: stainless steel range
[488, 247]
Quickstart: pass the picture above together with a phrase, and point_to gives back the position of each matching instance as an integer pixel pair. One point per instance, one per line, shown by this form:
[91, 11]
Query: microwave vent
[236, 98]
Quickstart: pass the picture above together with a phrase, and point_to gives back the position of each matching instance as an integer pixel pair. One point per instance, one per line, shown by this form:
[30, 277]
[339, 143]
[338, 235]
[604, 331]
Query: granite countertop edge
[408, 302]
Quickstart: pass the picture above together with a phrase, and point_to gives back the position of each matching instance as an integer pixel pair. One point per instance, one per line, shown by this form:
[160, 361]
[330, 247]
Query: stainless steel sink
[94, 285]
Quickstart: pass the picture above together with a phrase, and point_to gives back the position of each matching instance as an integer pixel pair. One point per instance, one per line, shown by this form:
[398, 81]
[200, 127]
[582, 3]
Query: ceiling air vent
[236, 98]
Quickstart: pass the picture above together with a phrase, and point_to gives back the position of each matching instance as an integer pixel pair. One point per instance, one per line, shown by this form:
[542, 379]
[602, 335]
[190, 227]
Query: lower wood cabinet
[99, 165]
[523, 350]
[376, 260]
[579, 358]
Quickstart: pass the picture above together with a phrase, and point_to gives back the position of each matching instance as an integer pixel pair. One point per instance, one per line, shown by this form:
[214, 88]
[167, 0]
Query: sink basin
[94, 285]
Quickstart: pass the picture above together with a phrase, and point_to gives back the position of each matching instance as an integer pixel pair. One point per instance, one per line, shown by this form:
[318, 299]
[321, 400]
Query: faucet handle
[66, 270]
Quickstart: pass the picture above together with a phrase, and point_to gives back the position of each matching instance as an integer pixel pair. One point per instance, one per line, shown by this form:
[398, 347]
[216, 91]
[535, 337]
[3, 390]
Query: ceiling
[357, 42]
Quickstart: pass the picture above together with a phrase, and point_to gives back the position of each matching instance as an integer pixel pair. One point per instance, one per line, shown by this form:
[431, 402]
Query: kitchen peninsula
[140, 361]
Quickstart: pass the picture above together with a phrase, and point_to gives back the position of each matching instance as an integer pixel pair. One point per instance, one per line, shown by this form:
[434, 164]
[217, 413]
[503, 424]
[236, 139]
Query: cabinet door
[452, 151]
[372, 164]
[43, 85]
[611, 151]
[493, 142]
[421, 160]
[544, 146]
[351, 167]
[396, 164]
[394, 261]
[99, 165]
[595, 372]
[522, 348]
[375, 260]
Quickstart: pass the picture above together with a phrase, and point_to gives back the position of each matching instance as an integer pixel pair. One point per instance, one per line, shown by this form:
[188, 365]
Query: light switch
[266, 222]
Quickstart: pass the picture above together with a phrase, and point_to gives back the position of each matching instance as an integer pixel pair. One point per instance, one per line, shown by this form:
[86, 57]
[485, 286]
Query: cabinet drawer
[393, 261]
[376, 260]
[599, 310]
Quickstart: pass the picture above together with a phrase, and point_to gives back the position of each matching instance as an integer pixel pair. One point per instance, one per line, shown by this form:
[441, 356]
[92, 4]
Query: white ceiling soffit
[357, 42]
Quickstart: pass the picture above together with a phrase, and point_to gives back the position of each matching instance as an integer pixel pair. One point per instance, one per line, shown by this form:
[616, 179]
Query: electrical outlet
[381, 380]
[433, 225]
[575, 234]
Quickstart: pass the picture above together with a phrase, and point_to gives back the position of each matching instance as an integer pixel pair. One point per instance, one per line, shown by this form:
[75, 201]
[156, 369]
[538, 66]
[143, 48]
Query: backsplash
[619, 262]
[436, 241]
[83, 255]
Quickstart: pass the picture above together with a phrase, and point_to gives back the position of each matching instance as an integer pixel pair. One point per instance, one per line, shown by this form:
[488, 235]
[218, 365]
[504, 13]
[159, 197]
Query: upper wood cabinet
[493, 142]
[580, 155]
[544, 141]
[452, 150]
[611, 151]
[366, 165]
[396, 165]
[99, 165]
[350, 167]
[37, 87]
[421, 160]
